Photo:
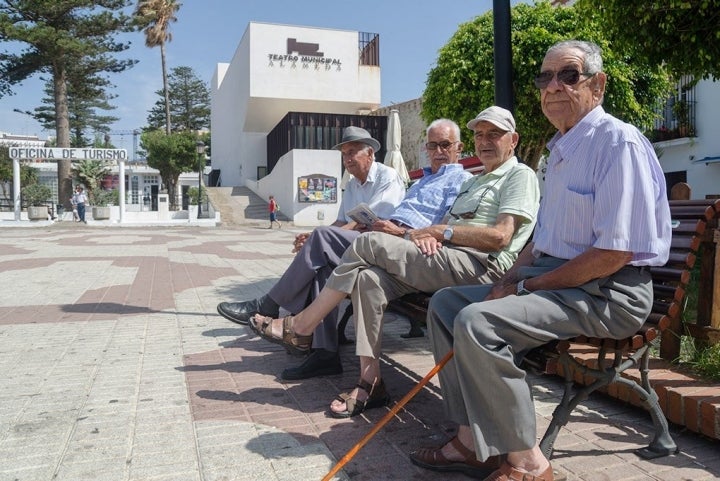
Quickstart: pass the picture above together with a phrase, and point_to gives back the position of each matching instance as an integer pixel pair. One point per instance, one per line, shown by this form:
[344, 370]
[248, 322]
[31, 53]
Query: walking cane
[354, 450]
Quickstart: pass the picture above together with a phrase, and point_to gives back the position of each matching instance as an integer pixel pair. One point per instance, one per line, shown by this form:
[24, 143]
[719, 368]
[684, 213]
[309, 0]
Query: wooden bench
[614, 356]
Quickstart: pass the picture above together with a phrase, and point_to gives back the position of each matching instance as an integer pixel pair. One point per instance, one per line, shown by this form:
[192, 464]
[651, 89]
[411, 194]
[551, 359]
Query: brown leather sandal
[434, 459]
[295, 344]
[377, 398]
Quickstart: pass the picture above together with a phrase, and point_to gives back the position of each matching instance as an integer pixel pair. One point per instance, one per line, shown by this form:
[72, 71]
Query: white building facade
[278, 70]
[695, 159]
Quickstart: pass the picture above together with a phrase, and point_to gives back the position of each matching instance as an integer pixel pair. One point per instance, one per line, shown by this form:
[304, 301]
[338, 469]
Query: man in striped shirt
[603, 220]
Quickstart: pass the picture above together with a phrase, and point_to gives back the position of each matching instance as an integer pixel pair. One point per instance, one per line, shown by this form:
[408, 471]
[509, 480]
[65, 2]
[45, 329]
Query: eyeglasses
[445, 145]
[471, 213]
[567, 76]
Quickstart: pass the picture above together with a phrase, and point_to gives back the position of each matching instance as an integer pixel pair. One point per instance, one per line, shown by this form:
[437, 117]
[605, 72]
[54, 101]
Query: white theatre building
[281, 104]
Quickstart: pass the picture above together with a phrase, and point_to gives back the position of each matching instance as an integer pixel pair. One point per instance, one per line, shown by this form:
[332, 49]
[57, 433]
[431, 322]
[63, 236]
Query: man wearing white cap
[488, 224]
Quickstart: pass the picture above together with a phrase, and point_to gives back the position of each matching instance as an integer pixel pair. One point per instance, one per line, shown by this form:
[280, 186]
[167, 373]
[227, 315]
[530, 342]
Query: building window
[676, 115]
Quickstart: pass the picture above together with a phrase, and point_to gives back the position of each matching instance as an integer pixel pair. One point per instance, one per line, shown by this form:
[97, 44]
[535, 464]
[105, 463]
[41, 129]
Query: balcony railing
[369, 47]
[676, 117]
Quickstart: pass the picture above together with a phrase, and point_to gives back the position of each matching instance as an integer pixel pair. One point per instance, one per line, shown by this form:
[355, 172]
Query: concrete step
[240, 206]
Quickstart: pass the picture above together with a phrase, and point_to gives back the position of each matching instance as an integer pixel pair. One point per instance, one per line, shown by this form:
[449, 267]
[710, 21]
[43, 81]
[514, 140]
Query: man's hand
[501, 290]
[300, 241]
[426, 239]
[387, 227]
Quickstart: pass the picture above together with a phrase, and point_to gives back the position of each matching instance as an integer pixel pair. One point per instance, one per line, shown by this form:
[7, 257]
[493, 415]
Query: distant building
[142, 183]
[15, 140]
[285, 98]
[287, 77]
[686, 141]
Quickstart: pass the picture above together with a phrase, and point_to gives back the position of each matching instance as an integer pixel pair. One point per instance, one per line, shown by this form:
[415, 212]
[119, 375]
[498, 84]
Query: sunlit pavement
[116, 366]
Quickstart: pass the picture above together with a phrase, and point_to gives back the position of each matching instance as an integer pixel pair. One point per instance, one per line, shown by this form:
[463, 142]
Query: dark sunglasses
[567, 76]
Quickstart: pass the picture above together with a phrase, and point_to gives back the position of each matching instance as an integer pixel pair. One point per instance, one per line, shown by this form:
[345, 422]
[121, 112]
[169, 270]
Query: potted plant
[681, 110]
[194, 198]
[193, 195]
[36, 197]
[103, 200]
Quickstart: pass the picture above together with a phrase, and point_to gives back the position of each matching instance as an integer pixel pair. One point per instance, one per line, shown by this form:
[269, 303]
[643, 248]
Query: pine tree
[57, 35]
[189, 103]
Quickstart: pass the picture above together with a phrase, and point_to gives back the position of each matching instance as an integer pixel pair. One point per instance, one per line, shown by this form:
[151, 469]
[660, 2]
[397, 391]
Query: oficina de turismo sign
[57, 153]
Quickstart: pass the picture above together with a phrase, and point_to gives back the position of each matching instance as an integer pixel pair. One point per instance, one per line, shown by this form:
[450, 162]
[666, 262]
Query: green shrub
[705, 360]
[193, 195]
[103, 198]
[36, 194]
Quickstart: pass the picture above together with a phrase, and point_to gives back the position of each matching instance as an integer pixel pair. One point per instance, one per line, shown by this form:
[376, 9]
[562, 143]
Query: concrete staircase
[240, 206]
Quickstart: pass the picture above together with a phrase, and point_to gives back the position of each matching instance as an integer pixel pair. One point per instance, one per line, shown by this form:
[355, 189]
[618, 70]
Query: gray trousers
[307, 274]
[378, 268]
[483, 386]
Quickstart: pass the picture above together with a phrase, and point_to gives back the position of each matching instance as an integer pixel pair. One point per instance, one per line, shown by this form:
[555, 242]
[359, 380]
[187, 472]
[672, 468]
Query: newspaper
[363, 214]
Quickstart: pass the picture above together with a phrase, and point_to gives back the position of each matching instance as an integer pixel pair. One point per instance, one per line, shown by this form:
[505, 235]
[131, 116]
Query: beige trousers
[378, 268]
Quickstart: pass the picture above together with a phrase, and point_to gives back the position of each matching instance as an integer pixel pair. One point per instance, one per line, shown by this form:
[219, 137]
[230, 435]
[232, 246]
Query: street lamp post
[200, 148]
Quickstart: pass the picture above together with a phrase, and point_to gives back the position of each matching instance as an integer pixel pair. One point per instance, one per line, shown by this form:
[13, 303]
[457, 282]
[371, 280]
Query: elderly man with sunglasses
[489, 223]
[603, 220]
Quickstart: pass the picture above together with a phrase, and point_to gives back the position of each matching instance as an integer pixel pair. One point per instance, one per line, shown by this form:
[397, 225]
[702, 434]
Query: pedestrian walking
[274, 208]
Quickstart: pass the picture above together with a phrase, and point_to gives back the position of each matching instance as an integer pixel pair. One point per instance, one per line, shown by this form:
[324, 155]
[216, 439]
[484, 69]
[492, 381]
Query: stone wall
[413, 131]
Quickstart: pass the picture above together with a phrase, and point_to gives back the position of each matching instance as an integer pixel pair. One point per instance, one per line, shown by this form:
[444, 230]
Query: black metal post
[503, 55]
[199, 187]
[200, 147]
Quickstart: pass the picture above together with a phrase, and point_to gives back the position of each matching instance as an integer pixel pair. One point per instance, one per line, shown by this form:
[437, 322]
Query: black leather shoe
[319, 363]
[241, 312]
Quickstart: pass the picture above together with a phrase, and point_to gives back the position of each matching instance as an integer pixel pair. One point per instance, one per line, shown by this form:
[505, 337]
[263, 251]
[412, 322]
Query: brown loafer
[434, 459]
[508, 473]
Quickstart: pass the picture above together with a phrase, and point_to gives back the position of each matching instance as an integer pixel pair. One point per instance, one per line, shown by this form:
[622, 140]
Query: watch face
[447, 233]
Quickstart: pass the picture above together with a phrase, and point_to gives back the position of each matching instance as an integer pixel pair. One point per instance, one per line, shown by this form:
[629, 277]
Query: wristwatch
[448, 233]
[521, 291]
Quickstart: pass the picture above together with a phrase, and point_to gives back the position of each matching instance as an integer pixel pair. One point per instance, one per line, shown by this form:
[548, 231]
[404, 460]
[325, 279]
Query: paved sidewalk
[116, 366]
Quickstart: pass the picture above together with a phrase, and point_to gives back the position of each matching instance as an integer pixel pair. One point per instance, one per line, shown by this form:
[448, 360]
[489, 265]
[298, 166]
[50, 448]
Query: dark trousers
[307, 274]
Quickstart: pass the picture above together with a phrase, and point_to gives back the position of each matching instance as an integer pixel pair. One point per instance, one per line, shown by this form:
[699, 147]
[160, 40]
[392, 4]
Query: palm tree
[90, 173]
[154, 17]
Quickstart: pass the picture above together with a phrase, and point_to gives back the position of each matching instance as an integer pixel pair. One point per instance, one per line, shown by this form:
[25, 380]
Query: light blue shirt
[604, 188]
[383, 190]
[428, 200]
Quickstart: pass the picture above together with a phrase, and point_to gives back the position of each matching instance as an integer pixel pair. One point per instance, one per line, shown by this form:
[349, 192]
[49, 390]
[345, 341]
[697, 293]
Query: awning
[707, 160]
